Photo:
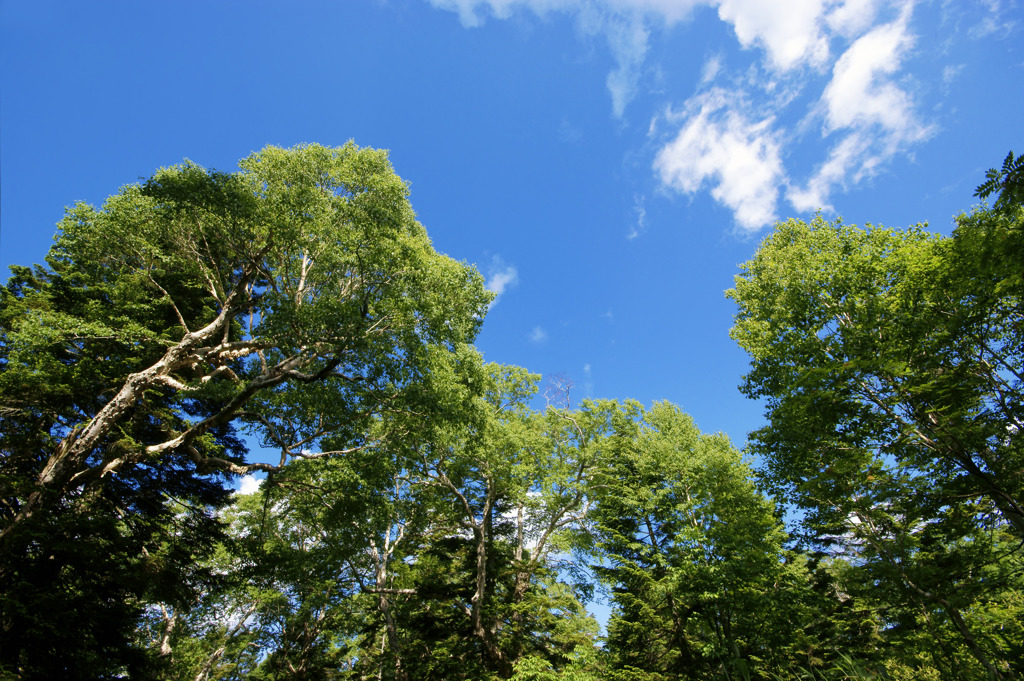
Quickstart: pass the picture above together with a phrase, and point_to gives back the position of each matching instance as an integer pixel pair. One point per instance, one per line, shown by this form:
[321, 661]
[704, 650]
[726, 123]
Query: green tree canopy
[296, 300]
[891, 365]
[691, 551]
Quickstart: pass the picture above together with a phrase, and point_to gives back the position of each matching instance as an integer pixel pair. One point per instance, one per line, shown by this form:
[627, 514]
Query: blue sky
[607, 164]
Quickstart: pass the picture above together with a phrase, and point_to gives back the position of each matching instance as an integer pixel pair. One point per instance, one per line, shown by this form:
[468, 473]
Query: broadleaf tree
[890, 363]
[294, 300]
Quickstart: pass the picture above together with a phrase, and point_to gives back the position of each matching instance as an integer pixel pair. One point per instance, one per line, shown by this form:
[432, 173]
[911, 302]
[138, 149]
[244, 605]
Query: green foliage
[297, 300]
[1008, 182]
[583, 665]
[74, 579]
[890, 363]
[424, 558]
[424, 522]
[691, 552]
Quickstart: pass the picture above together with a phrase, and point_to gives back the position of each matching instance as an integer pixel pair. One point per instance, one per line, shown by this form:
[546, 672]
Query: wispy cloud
[639, 226]
[999, 22]
[721, 145]
[867, 114]
[469, 10]
[815, 194]
[950, 73]
[627, 38]
[864, 106]
[538, 335]
[711, 68]
[472, 13]
[625, 25]
[500, 277]
[728, 136]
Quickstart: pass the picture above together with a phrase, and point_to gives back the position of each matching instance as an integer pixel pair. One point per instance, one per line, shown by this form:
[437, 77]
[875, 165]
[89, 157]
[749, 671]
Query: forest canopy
[427, 516]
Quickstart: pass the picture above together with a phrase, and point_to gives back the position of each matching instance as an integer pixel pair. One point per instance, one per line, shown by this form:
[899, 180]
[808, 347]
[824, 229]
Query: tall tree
[297, 298]
[431, 557]
[691, 551]
[891, 365]
[505, 490]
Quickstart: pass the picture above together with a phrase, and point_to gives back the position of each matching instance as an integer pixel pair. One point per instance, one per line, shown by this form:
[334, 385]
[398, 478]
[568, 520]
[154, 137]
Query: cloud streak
[627, 38]
[625, 26]
[873, 117]
[729, 135]
[640, 224]
[500, 277]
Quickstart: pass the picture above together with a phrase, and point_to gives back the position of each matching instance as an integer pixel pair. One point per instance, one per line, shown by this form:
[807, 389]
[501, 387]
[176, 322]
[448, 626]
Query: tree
[503, 492]
[891, 365]
[430, 556]
[296, 299]
[691, 551]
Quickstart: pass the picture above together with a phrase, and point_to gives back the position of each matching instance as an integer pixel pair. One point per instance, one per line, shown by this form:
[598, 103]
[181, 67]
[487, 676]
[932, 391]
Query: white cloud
[627, 39]
[724, 143]
[500, 278]
[538, 335]
[249, 484]
[852, 17]
[720, 145]
[816, 194]
[790, 32]
[863, 104]
[860, 92]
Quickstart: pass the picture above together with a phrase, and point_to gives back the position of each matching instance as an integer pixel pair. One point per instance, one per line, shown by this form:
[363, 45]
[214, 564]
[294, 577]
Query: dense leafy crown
[297, 299]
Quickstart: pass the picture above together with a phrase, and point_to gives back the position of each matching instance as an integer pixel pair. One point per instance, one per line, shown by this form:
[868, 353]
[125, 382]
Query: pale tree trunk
[381, 559]
[482, 531]
[64, 468]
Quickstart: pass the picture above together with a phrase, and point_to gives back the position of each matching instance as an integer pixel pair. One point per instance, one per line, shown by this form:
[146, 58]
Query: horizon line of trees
[424, 521]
